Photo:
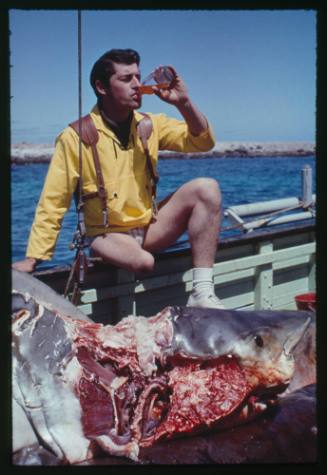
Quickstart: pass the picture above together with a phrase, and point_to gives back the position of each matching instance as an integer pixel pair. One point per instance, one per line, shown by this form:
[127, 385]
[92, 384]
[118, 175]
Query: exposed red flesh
[183, 397]
[200, 396]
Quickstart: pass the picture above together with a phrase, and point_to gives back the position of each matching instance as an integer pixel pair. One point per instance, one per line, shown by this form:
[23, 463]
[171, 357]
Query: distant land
[22, 153]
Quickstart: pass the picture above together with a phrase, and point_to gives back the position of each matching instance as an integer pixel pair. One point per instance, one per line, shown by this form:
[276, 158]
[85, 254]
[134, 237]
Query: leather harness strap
[90, 137]
[144, 130]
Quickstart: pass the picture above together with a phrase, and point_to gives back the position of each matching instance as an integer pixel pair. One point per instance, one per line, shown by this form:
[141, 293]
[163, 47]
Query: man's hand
[176, 94]
[26, 265]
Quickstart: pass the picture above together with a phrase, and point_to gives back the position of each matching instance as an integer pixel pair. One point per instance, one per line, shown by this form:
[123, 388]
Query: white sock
[202, 281]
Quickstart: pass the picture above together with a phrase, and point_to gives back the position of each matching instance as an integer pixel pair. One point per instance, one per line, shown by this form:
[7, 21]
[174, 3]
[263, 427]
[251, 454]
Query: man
[134, 232]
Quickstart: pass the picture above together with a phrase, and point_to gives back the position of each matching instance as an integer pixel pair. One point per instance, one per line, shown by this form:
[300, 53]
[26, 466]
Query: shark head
[261, 341]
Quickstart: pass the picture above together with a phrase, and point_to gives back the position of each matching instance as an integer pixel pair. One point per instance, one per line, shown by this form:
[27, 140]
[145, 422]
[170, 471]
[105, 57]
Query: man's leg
[123, 251]
[195, 207]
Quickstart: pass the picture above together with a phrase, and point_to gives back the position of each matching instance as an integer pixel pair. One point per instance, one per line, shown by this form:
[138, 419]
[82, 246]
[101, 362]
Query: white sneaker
[208, 301]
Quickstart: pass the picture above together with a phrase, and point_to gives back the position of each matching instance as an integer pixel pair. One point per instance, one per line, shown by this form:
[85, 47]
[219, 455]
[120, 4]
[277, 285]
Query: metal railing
[274, 212]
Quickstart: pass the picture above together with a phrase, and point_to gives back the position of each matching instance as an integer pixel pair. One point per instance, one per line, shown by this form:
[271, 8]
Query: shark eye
[258, 341]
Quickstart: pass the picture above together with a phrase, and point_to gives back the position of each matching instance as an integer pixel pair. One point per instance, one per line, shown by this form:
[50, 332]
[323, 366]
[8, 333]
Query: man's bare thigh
[172, 218]
[201, 194]
[119, 249]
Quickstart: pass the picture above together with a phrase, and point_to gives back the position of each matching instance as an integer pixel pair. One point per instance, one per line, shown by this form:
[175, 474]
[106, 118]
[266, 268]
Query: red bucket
[306, 301]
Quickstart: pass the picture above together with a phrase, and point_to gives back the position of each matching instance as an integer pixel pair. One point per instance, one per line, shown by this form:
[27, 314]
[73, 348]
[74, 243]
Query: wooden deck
[263, 270]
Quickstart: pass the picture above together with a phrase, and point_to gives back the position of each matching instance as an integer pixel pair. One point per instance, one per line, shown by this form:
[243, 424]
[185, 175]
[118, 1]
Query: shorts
[137, 233]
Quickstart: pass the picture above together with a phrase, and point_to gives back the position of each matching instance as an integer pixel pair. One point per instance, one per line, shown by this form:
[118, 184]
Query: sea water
[242, 180]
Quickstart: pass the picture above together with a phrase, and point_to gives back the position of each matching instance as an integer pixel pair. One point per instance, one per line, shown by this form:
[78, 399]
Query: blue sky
[252, 72]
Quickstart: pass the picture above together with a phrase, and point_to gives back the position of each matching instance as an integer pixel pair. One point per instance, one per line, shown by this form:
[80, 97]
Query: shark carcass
[87, 389]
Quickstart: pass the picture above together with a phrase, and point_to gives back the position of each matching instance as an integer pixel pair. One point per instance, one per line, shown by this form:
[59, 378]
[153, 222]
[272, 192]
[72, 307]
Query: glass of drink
[161, 78]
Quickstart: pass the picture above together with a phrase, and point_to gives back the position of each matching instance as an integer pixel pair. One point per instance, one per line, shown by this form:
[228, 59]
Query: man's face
[123, 87]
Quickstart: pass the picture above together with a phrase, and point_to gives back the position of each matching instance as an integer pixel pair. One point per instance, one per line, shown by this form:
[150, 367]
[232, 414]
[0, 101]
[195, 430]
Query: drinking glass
[161, 78]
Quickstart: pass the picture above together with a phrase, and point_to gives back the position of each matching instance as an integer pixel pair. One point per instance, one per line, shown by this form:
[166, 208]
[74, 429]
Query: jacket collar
[102, 127]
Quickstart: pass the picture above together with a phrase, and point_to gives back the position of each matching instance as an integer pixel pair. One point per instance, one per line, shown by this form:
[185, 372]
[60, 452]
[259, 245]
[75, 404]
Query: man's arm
[55, 200]
[196, 121]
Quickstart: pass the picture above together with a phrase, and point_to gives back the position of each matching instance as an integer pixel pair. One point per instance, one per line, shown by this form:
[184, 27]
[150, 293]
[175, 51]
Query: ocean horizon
[26, 152]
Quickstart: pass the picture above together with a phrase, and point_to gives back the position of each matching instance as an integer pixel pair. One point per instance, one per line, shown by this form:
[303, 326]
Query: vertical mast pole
[77, 273]
[79, 72]
[80, 205]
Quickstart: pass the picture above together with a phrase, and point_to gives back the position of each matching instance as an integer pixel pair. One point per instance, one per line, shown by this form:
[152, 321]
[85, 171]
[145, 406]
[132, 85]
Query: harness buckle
[105, 217]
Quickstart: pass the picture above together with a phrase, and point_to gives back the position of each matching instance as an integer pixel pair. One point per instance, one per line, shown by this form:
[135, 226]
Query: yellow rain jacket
[125, 174]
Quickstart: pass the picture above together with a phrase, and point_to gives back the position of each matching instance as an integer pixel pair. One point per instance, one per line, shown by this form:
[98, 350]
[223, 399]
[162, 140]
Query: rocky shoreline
[24, 153]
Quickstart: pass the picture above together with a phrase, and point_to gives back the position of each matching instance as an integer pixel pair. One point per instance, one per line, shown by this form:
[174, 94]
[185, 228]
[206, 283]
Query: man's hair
[103, 68]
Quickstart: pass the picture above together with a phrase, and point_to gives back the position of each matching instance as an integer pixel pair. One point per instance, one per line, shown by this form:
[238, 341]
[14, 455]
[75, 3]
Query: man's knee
[143, 263]
[208, 190]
